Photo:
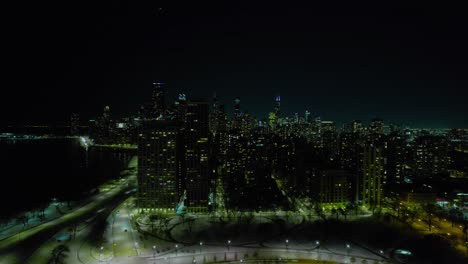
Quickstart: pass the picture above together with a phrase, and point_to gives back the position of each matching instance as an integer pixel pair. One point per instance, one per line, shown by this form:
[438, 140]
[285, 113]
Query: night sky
[406, 64]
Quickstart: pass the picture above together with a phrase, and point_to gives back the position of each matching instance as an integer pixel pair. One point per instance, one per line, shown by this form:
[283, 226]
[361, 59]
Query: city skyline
[331, 134]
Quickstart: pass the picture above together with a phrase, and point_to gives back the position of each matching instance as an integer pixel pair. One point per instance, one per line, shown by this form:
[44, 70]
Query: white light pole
[176, 247]
[100, 254]
[348, 247]
[228, 244]
[201, 244]
[286, 243]
[154, 253]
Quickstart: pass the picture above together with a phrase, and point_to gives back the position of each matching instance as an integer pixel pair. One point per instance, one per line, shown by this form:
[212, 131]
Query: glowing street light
[201, 244]
[100, 254]
[286, 242]
[228, 244]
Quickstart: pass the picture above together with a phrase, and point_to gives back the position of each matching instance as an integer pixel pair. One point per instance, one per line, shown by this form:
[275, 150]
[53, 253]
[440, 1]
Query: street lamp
[176, 247]
[201, 244]
[100, 254]
[348, 247]
[228, 244]
[136, 248]
[286, 242]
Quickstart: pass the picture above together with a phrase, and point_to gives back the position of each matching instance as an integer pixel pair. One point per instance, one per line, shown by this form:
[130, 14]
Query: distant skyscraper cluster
[192, 156]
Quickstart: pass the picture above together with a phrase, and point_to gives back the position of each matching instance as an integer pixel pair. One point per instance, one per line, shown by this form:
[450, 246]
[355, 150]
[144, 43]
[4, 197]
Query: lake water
[35, 171]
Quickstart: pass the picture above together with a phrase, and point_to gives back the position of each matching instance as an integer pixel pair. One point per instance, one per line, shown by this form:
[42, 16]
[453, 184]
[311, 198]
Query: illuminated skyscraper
[158, 105]
[356, 127]
[159, 168]
[103, 127]
[196, 152]
[376, 129]
[307, 116]
[278, 106]
[237, 110]
[431, 155]
[370, 182]
[236, 121]
[395, 154]
[274, 116]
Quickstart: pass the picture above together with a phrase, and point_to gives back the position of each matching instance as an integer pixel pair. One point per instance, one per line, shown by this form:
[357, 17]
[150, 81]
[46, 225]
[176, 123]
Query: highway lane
[14, 248]
[124, 239]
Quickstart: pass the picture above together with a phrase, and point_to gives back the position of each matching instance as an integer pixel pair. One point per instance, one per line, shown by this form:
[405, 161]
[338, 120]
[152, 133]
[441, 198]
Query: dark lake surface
[35, 171]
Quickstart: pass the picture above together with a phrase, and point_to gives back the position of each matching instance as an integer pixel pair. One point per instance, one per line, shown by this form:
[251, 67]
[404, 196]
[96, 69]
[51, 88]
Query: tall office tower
[395, 157]
[75, 124]
[236, 120]
[272, 120]
[237, 110]
[274, 116]
[214, 116]
[377, 128]
[159, 164]
[158, 104]
[181, 109]
[247, 124]
[317, 132]
[196, 156]
[104, 127]
[106, 114]
[431, 155]
[356, 127]
[370, 185]
[307, 116]
[278, 105]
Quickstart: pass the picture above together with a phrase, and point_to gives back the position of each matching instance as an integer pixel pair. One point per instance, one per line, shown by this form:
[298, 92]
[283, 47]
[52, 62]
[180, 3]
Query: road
[12, 249]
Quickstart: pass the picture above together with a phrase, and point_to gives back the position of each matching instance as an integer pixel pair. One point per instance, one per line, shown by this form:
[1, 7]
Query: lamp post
[286, 243]
[100, 254]
[154, 253]
[228, 244]
[201, 244]
[348, 247]
[176, 247]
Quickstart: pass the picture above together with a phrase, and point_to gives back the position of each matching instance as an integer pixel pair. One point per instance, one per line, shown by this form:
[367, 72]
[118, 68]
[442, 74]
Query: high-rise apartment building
[370, 182]
[159, 164]
[196, 153]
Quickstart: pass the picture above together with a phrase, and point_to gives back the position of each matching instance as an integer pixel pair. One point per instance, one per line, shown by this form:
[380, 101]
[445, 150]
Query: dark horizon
[404, 64]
